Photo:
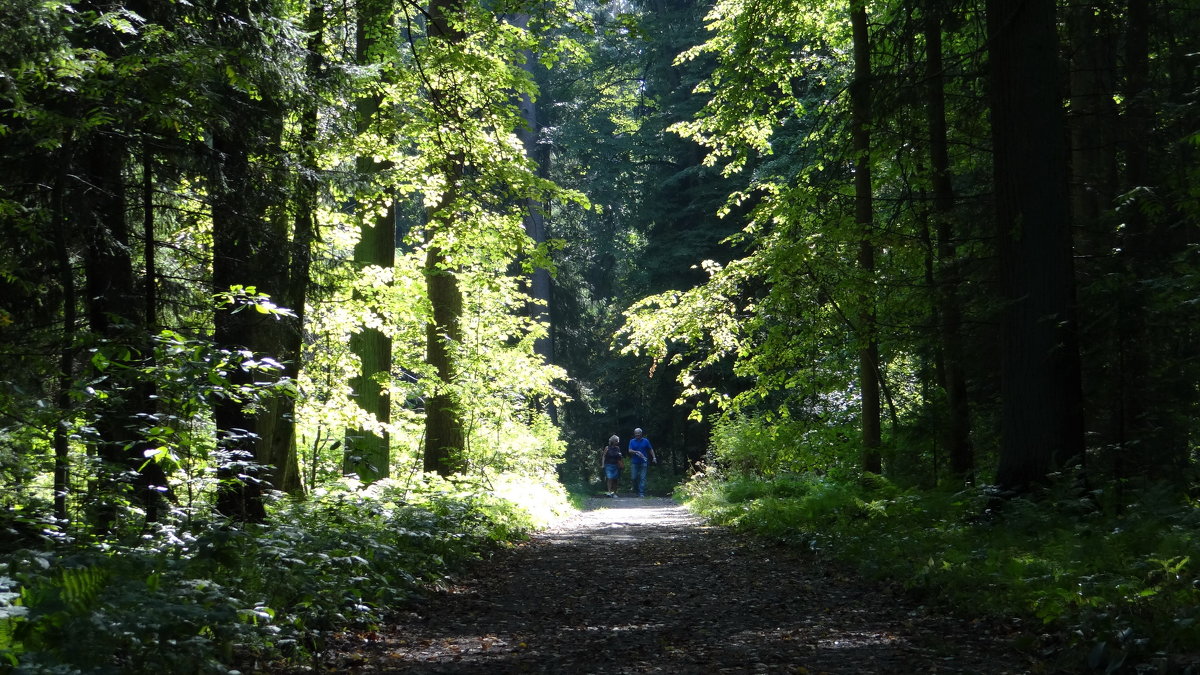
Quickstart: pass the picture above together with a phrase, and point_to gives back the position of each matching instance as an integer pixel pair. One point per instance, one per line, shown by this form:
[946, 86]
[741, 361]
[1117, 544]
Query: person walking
[641, 455]
[612, 459]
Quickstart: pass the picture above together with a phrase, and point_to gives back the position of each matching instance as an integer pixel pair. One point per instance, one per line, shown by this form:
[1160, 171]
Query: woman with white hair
[612, 460]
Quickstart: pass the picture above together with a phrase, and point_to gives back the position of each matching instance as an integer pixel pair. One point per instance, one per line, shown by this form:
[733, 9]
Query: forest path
[643, 586]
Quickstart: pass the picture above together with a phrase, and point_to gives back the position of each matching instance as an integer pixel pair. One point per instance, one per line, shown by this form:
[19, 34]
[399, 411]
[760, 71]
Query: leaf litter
[643, 586]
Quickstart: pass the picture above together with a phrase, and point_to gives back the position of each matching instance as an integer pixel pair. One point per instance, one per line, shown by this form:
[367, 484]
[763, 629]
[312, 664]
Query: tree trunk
[234, 228]
[152, 485]
[250, 249]
[304, 229]
[1155, 386]
[368, 454]
[66, 356]
[114, 313]
[868, 369]
[283, 254]
[1133, 425]
[956, 442]
[1041, 397]
[535, 224]
[1091, 119]
[445, 438]
[149, 243]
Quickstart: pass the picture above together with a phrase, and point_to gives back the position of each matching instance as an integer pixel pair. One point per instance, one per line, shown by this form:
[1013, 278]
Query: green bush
[211, 596]
[752, 445]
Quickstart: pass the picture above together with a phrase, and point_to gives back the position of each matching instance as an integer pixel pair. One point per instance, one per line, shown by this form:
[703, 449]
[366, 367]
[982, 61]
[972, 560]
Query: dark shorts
[612, 471]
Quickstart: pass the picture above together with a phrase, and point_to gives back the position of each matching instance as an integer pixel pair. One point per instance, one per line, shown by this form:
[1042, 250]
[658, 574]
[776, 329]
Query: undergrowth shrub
[1117, 583]
[750, 445]
[206, 597]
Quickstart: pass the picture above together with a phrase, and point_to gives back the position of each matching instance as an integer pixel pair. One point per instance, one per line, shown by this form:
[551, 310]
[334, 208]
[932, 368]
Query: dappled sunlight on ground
[605, 513]
[634, 585]
[625, 520]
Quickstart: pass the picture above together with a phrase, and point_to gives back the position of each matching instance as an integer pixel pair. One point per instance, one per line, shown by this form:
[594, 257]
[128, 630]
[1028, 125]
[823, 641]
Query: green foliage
[1117, 580]
[749, 445]
[221, 595]
[786, 317]
[654, 218]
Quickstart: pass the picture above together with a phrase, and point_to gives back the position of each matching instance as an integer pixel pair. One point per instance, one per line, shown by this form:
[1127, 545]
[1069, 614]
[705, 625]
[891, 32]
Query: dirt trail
[642, 586]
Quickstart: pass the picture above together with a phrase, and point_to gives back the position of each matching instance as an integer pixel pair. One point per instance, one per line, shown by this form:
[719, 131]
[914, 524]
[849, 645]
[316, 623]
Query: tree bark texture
[235, 219]
[445, 437]
[250, 248]
[368, 453]
[305, 196]
[114, 308]
[868, 369]
[1152, 438]
[1092, 119]
[535, 222]
[66, 355]
[1041, 395]
[956, 441]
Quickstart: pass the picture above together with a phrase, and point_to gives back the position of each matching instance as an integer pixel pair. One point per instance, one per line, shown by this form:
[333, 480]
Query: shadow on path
[643, 586]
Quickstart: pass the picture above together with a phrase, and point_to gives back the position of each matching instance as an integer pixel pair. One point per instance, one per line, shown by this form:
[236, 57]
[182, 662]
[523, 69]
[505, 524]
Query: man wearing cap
[640, 457]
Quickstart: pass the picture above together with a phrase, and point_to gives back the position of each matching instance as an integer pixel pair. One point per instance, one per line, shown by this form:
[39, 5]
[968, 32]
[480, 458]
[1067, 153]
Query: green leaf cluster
[223, 596]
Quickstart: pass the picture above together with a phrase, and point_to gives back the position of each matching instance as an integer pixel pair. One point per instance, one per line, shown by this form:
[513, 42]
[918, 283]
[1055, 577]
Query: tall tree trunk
[289, 266]
[280, 336]
[116, 311]
[1134, 426]
[1137, 119]
[1041, 396]
[868, 369]
[66, 357]
[304, 229]
[114, 307]
[149, 243]
[1092, 129]
[535, 224]
[1152, 440]
[445, 438]
[152, 484]
[540, 283]
[236, 221]
[368, 454]
[250, 249]
[1092, 117]
[956, 441]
